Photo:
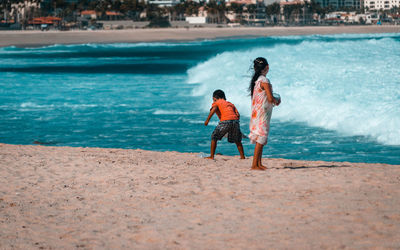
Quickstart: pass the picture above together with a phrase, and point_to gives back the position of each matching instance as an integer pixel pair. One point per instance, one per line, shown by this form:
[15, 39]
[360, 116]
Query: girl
[262, 102]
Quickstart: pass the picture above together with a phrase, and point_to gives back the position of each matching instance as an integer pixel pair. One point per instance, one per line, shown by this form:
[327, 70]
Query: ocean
[340, 95]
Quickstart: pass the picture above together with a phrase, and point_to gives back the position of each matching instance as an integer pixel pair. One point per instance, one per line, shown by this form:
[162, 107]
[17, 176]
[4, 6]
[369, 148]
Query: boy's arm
[212, 112]
[237, 113]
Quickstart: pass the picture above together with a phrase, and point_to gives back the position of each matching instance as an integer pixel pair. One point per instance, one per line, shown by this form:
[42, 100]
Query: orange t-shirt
[226, 110]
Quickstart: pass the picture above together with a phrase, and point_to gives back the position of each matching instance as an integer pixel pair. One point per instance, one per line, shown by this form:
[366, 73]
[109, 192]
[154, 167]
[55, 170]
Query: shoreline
[65, 197]
[197, 154]
[39, 38]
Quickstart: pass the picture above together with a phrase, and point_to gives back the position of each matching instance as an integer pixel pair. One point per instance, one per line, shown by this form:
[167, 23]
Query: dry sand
[92, 198]
[37, 38]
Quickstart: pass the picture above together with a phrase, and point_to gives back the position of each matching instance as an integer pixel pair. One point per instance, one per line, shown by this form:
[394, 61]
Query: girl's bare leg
[259, 161]
[257, 157]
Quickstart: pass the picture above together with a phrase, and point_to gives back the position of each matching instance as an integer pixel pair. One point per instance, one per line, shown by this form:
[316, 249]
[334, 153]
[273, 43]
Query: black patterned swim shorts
[231, 127]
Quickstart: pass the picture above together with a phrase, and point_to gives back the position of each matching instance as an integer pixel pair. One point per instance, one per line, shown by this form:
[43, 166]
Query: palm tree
[217, 11]
[273, 11]
[132, 8]
[191, 8]
[292, 12]
[6, 7]
[237, 9]
[177, 12]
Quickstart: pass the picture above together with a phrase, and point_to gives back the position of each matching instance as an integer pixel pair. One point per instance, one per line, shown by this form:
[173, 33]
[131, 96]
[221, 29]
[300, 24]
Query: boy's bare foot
[211, 158]
[263, 167]
[257, 168]
[242, 157]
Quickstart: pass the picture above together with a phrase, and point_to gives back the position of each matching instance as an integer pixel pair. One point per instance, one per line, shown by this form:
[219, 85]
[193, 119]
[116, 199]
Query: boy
[229, 123]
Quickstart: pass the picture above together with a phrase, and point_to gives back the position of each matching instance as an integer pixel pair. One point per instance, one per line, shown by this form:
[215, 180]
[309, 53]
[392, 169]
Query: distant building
[256, 17]
[45, 22]
[245, 2]
[22, 10]
[89, 14]
[196, 19]
[381, 4]
[162, 3]
[269, 2]
[340, 3]
[51, 1]
[283, 3]
[113, 15]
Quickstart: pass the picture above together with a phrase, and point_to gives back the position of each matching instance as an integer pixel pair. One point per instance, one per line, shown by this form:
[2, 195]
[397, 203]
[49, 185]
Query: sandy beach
[39, 38]
[93, 198]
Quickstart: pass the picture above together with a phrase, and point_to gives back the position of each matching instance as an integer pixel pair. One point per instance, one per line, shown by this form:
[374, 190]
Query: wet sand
[97, 198]
[39, 38]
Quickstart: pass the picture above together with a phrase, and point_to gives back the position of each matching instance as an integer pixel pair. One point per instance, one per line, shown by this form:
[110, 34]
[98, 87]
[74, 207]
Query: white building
[381, 4]
[196, 19]
[163, 3]
[20, 10]
[340, 3]
[269, 2]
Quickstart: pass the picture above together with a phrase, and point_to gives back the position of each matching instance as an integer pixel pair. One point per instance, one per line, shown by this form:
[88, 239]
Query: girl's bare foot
[262, 167]
[211, 158]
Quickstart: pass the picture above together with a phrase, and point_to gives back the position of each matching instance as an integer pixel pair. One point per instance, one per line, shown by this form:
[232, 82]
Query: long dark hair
[258, 65]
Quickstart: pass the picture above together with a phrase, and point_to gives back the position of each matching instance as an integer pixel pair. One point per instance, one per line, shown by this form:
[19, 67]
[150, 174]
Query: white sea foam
[350, 86]
[110, 45]
[32, 105]
[171, 112]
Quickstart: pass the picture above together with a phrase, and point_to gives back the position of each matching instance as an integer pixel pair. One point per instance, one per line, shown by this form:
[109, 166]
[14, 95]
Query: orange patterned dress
[261, 112]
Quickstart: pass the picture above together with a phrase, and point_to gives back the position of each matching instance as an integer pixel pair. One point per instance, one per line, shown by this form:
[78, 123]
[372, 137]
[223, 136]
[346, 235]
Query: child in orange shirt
[229, 123]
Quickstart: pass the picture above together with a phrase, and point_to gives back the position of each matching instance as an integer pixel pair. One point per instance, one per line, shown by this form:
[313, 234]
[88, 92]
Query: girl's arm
[268, 90]
[212, 112]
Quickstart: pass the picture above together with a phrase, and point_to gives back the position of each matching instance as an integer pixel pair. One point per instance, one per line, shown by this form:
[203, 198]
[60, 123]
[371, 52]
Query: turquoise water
[340, 95]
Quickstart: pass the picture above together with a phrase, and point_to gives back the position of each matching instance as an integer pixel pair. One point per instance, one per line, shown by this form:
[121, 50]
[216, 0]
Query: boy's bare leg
[240, 148]
[213, 147]
[257, 158]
